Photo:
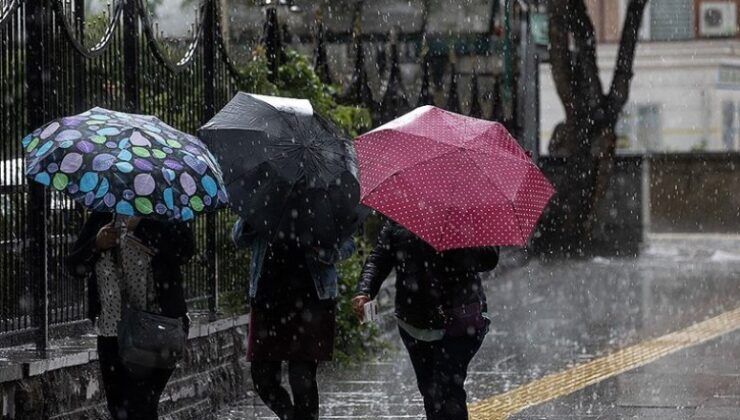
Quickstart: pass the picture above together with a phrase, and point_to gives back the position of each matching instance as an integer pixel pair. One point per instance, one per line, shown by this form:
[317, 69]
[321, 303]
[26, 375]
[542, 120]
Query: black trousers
[130, 397]
[267, 378]
[441, 368]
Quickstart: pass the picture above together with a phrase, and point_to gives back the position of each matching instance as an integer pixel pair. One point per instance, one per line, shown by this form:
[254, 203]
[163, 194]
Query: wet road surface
[548, 317]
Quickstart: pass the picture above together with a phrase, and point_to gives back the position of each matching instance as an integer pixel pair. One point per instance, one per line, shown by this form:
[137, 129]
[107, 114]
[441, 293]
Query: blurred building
[685, 95]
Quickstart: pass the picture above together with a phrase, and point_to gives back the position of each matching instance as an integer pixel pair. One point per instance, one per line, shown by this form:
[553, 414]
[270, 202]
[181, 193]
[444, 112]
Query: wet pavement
[701, 382]
[548, 317]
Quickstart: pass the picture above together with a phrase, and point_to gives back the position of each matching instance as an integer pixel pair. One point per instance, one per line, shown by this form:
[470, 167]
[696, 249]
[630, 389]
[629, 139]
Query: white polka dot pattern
[454, 181]
[134, 273]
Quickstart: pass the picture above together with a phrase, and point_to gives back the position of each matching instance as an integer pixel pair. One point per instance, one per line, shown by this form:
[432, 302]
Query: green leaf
[60, 181]
[143, 205]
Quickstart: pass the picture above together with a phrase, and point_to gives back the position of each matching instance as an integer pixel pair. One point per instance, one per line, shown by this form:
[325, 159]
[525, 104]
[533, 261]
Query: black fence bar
[131, 54]
[79, 64]
[15, 302]
[51, 66]
[37, 76]
[209, 104]
[271, 40]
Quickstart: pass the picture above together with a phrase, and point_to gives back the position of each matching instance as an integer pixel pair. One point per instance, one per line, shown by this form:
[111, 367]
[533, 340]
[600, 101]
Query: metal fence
[53, 62]
[47, 70]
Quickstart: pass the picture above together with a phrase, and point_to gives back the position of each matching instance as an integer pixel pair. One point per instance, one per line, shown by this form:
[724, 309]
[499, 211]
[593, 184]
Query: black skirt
[287, 320]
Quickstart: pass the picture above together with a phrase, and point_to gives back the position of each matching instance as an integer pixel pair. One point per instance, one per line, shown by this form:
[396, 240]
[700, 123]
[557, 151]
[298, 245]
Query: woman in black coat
[292, 291]
[146, 262]
[440, 307]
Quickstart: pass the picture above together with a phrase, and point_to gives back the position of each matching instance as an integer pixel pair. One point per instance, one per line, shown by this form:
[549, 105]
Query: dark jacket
[320, 265]
[173, 244]
[429, 284]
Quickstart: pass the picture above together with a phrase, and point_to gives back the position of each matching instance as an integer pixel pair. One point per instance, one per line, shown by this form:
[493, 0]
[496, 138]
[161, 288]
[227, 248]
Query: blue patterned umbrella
[133, 165]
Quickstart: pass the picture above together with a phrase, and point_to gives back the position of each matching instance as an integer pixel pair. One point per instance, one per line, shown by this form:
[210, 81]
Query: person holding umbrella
[127, 260]
[455, 188]
[292, 178]
[142, 180]
[440, 308]
[292, 294]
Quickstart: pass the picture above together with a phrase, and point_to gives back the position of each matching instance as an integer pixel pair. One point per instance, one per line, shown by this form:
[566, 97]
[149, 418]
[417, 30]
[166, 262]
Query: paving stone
[549, 316]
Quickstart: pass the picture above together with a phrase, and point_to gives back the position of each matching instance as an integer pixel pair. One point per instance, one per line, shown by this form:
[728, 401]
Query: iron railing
[54, 63]
[47, 70]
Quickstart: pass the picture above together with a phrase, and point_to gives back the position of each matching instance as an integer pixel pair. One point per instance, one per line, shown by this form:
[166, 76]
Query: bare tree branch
[561, 58]
[619, 91]
[584, 36]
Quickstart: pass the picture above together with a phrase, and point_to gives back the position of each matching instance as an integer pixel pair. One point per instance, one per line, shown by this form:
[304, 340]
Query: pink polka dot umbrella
[454, 181]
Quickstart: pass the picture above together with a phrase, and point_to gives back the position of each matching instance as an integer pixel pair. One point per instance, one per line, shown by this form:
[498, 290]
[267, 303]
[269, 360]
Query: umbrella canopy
[288, 171]
[454, 181]
[133, 165]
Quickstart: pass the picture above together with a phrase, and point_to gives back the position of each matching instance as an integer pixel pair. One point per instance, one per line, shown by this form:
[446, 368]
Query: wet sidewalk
[549, 317]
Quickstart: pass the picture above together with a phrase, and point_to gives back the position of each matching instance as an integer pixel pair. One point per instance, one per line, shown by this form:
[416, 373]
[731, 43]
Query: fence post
[453, 99]
[507, 58]
[37, 77]
[209, 105]
[272, 42]
[321, 61]
[131, 55]
[79, 61]
[476, 110]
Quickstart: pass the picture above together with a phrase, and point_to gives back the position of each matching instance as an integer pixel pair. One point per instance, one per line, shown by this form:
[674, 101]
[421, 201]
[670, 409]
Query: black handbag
[149, 340]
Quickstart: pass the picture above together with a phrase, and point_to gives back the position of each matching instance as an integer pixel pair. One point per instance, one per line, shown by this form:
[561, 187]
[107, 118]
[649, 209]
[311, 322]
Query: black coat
[429, 284]
[173, 244]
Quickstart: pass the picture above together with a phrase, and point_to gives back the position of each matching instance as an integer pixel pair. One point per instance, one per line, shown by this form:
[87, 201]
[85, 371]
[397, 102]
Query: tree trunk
[586, 140]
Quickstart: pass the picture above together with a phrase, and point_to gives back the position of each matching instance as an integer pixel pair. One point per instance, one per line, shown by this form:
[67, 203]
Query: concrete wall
[67, 384]
[665, 193]
[619, 226]
[695, 193]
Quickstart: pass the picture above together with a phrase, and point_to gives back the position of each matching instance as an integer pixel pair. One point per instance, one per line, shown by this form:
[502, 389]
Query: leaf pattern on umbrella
[134, 165]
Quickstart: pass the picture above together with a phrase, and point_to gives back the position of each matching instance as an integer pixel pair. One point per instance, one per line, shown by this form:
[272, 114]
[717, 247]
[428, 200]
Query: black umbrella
[288, 171]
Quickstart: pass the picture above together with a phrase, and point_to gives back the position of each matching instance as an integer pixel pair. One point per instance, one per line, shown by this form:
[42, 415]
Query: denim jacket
[320, 265]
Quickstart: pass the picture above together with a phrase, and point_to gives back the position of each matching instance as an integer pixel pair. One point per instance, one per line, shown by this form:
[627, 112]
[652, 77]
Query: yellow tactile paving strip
[500, 407]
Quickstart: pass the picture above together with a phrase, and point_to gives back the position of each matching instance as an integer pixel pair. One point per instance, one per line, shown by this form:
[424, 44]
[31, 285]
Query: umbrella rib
[400, 170]
[446, 223]
[490, 152]
[529, 164]
[511, 202]
[318, 163]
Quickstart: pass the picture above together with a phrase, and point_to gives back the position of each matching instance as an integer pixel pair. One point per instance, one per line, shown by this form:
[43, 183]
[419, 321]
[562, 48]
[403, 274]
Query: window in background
[737, 127]
[623, 129]
[649, 131]
[671, 20]
[640, 129]
[729, 126]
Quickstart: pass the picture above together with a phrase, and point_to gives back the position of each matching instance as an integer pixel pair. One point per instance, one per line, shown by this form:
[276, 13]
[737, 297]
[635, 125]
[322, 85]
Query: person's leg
[145, 394]
[302, 376]
[422, 359]
[266, 377]
[451, 368]
[114, 377]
